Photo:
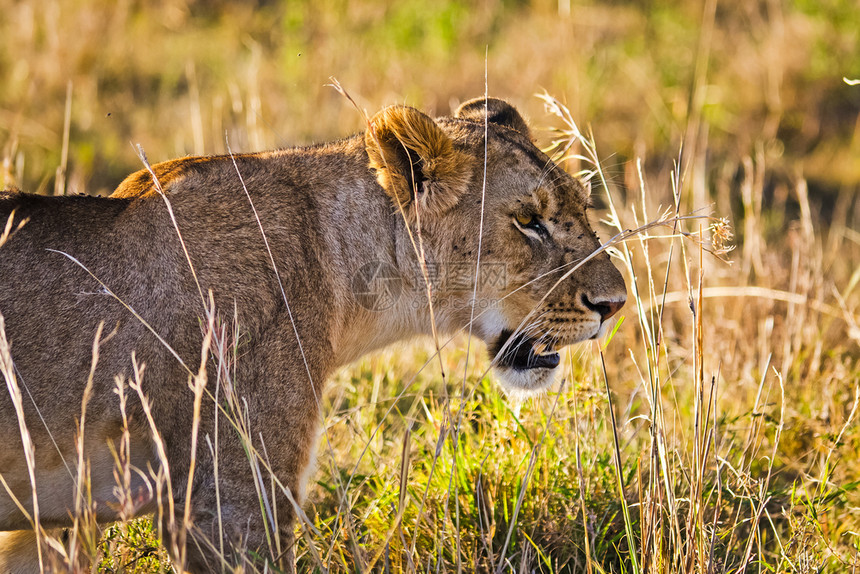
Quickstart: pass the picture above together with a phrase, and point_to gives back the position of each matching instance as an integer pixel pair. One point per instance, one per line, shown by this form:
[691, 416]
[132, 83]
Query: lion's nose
[606, 308]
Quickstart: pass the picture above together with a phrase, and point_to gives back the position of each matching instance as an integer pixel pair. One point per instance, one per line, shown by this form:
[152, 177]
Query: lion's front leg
[247, 515]
[242, 535]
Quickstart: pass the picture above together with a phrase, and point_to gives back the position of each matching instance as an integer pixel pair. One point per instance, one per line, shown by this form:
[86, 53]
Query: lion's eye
[526, 220]
[530, 222]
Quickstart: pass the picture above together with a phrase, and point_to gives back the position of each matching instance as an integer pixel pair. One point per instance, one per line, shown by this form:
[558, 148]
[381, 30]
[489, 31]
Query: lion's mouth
[523, 353]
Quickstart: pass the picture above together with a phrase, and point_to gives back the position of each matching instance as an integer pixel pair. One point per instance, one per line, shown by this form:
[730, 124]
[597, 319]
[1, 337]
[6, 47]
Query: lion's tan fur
[327, 212]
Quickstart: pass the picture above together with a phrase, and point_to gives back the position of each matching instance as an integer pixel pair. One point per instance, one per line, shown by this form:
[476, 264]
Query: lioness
[316, 254]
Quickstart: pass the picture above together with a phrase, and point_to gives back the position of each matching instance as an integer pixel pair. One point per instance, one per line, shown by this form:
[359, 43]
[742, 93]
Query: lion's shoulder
[142, 182]
[296, 164]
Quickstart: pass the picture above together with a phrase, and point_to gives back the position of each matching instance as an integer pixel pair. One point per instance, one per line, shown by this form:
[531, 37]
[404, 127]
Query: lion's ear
[496, 111]
[415, 160]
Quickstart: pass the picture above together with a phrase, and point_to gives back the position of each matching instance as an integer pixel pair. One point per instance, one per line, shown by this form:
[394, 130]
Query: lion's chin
[522, 384]
[524, 365]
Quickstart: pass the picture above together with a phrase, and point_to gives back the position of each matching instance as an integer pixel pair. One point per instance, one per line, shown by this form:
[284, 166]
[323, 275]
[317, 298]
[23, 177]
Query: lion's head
[540, 285]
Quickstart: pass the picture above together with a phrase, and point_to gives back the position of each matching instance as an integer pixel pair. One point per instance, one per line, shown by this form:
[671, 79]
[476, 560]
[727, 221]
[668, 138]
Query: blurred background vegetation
[177, 76]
